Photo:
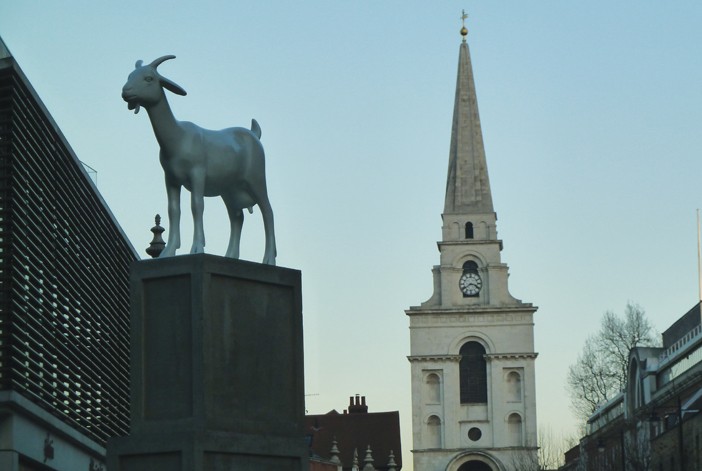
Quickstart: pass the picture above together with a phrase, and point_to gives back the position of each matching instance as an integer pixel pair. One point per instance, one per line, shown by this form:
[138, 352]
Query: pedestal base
[208, 451]
[216, 367]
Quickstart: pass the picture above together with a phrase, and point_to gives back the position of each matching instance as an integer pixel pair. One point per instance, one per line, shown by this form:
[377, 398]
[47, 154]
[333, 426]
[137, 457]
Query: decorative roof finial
[157, 244]
[368, 460]
[464, 30]
[334, 452]
[392, 466]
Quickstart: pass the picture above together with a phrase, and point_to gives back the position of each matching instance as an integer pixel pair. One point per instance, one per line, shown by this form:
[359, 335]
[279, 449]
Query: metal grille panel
[64, 276]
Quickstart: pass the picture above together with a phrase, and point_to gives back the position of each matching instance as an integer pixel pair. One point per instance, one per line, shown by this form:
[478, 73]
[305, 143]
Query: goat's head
[145, 85]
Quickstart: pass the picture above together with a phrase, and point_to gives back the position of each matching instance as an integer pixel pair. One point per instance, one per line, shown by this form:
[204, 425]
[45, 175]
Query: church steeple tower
[470, 223]
[472, 343]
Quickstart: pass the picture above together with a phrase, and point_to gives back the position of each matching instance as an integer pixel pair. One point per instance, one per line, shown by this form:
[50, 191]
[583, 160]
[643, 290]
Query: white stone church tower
[472, 343]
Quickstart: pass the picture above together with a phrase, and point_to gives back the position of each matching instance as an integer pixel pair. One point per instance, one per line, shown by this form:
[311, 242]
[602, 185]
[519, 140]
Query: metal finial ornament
[391, 462]
[464, 30]
[157, 244]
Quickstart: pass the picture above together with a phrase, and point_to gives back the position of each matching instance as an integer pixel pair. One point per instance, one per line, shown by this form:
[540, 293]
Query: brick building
[370, 441]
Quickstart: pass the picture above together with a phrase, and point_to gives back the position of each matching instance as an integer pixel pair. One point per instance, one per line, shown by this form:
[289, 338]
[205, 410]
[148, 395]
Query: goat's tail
[255, 128]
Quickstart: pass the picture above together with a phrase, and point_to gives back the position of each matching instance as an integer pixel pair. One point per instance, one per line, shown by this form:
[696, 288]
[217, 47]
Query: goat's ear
[138, 64]
[172, 86]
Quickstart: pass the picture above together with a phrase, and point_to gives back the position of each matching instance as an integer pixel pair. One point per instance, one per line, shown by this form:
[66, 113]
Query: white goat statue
[229, 163]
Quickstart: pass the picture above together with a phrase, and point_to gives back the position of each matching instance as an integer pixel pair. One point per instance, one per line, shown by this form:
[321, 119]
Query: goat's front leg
[197, 206]
[173, 192]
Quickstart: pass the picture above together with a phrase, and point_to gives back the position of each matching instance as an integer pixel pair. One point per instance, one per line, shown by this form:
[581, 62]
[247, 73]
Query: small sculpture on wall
[229, 163]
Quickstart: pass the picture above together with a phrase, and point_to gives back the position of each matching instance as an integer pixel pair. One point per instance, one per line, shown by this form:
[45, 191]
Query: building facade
[64, 295]
[355, 440]
[655, 424]
[472, 343]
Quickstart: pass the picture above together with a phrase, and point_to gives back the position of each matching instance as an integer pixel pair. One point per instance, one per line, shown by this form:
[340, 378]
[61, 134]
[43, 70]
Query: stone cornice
[458, 318]
[511, 356]
[472, 310]
[416, 358]
[463, 451]
[465, 242]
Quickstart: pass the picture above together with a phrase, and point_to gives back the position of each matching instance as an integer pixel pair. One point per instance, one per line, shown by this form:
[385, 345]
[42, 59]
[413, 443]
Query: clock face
[470, 284]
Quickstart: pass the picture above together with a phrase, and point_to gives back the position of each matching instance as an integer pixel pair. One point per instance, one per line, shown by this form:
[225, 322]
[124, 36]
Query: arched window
[473, 373]
[432, 389]
[469, 230]
[634, 401]
[475, 466]
[514, 429]
[514, 387]
[471, 266]
[434, 432]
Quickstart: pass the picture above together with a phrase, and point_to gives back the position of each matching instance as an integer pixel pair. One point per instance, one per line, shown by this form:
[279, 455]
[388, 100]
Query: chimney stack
[357, 405]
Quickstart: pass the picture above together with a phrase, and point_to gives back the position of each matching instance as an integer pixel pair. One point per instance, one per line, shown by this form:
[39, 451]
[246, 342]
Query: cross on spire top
[464, 30]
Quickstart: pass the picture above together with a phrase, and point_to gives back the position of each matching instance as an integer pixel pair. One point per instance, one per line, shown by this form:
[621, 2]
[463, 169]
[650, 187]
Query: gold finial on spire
[464, 30]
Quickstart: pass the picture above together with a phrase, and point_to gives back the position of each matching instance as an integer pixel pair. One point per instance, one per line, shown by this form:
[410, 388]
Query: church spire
[467, 185]
[471, 315]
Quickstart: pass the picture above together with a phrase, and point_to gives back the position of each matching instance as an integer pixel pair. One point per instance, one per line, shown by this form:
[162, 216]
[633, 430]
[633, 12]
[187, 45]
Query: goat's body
[220, 154]
[229, 163]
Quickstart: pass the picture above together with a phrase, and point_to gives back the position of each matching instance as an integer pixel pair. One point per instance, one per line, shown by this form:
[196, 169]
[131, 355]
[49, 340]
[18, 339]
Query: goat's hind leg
[197, 206]
[267, 214]
[236, 221]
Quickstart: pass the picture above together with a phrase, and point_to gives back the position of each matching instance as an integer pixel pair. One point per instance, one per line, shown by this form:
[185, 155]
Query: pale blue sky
[590, 110]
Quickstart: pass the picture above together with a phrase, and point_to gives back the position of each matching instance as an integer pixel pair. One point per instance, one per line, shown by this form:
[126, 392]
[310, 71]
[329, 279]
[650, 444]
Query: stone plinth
[216, 367]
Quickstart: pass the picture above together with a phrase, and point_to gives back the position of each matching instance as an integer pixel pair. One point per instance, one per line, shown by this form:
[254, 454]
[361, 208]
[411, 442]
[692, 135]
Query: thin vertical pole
[699, 258]
[681, 445]
[622, 444]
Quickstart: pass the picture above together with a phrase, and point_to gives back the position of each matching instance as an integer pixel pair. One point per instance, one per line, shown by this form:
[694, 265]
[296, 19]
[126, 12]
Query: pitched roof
[380, 430]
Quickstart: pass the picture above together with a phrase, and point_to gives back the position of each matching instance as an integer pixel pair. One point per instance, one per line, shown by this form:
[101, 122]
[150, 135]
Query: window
[634, 400]
[475, 466]
[471, 266]
[474, 434]
[473, 373]
[469, 230]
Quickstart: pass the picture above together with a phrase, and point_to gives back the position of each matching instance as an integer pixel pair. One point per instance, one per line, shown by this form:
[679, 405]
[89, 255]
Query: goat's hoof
[269, 261]
[166, 252]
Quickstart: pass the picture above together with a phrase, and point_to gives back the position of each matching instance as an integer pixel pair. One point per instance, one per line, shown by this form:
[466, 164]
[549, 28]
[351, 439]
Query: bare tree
[552, 448]
[591, 380]
[521, 461]
[601, 368]
[637, 448]
[549, 456]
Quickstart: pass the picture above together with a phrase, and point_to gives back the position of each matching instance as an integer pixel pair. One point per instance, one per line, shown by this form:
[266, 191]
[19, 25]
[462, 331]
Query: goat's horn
[158, 61]
[138, 64]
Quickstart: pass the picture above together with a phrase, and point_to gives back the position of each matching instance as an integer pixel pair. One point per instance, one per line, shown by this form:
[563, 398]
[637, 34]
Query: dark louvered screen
[64, 277]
